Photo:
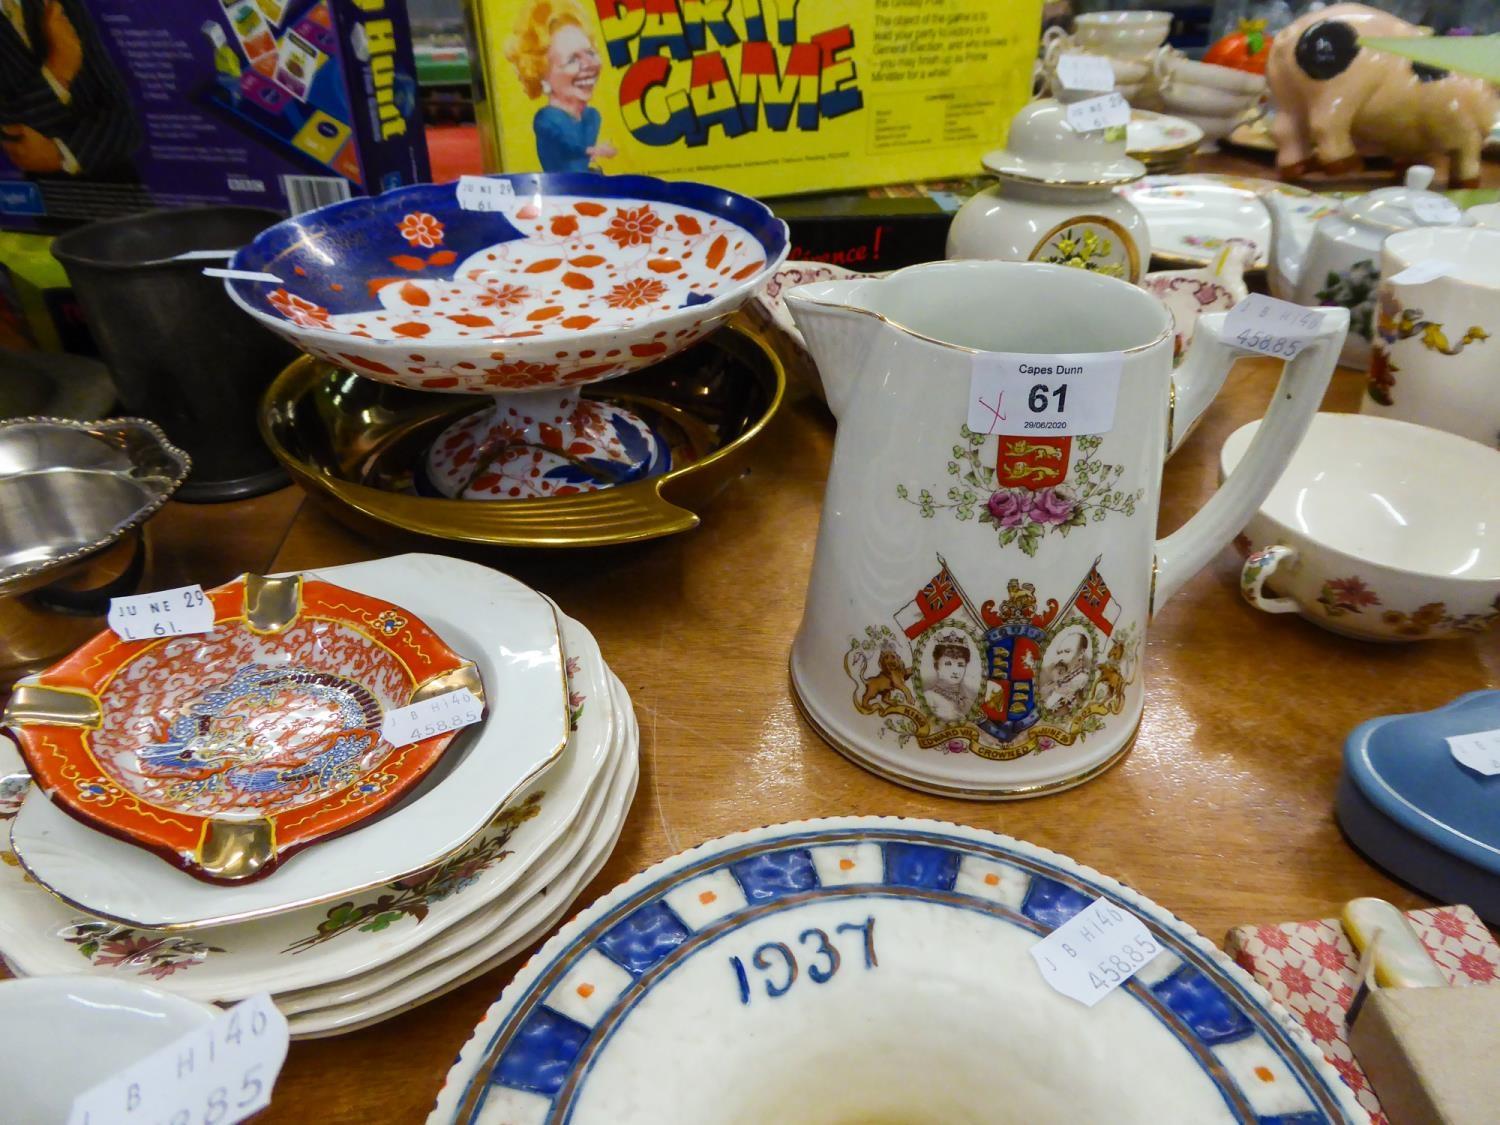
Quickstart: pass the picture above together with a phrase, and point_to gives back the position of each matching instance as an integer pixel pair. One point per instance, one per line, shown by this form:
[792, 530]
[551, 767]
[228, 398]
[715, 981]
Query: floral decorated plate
[226, 752]
[491, 949]
[878, 969]
[577, 277]
[361, 933]
[554, 870]
[1192, 217]
[509, 630]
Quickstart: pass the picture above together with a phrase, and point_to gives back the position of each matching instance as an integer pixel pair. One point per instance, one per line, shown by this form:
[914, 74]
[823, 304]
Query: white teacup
[1353, 536]
[1204, 101]
[1435, 361]
[1123, 33]
[1179, 69]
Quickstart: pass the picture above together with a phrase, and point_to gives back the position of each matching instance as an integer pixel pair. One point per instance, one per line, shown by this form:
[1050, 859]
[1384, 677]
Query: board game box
[114, 106]
[768, 97]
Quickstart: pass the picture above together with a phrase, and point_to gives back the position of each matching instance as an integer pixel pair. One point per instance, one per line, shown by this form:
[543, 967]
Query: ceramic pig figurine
[1336, 99]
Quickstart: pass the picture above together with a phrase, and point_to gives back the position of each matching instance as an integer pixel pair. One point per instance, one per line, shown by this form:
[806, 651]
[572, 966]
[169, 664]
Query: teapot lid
[1043, 148]
[1411, 205]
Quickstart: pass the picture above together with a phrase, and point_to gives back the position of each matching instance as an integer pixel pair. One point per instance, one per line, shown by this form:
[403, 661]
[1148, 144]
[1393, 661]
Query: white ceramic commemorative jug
[987, 559]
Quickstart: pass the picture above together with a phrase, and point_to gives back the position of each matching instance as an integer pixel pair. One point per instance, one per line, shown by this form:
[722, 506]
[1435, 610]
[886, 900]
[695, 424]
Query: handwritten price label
[1435, 210]
[1046, 395]
[1085, 73]
[217, 1074]
[481, 193]
[1479, 751]
[431, 717]
[167, 613]
[1094, 952]
[1270, 327]
[1092, 114]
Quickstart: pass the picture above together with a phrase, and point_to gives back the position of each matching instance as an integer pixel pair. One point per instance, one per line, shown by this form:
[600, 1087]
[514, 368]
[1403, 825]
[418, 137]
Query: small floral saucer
[881, 970]
[227, 751]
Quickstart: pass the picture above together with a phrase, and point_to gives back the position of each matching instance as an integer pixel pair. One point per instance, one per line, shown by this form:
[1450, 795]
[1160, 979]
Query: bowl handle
[1260, 566]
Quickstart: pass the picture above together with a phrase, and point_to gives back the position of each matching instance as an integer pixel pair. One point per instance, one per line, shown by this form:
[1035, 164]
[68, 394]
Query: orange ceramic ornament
[225, 752]
[1244, 49]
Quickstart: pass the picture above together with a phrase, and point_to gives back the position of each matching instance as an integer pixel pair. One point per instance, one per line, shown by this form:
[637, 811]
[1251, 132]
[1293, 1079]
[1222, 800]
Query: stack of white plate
[359, 928]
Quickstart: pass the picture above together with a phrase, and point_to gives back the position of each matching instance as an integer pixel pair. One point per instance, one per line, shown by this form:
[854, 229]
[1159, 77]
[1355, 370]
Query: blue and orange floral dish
[877, 969]
[1407, 804]
[578, 277]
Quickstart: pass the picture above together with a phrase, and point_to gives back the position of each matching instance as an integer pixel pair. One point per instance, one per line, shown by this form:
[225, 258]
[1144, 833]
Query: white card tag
[1085, 73]
[1049, 395]
[431, 717]
[1094, 952]
[481, 193]
[221, 1072]
[1423, 272]
[1104, 112]
[166, 613]
[1479, 751]
[1435, 209]
[204, 255]
[1271, 327]
[241, 275]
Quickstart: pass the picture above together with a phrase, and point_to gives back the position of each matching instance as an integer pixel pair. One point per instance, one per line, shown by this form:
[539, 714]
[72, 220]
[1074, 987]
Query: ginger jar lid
[1043, 148]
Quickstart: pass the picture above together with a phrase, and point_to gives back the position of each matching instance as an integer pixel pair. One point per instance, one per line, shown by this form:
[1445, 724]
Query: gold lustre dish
[357, 447]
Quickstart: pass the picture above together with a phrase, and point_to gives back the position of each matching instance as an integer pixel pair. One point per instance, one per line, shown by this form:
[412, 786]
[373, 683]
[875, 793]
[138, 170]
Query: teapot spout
[838, 330]
[1288, 247]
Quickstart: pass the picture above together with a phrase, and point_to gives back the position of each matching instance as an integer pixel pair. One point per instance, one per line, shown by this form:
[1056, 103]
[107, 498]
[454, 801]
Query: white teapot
[1056, 202]
[1340, 263]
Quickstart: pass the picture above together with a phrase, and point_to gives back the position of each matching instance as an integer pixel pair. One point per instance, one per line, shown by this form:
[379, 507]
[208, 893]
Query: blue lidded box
[1406, 802]
[114, 106]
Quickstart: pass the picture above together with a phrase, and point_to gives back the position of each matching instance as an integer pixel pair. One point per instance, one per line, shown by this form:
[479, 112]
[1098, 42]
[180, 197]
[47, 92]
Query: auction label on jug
[1271, 326]
[1056, 395]
[1095, 951]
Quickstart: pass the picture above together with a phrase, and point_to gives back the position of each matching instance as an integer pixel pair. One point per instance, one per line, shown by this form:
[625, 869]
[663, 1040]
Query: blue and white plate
[874, 969]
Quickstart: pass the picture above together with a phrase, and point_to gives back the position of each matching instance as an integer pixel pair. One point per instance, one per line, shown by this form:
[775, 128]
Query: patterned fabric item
[1309, 967]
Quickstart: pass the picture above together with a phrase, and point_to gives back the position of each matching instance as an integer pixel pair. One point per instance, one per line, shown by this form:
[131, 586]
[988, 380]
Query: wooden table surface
[1222, 813]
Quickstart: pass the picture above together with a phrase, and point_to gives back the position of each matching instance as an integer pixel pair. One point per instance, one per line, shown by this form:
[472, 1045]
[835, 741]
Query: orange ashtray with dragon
[225, 752]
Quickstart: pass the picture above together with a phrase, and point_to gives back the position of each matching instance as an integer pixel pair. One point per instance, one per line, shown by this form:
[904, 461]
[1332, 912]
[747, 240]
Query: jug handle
[1298, 394]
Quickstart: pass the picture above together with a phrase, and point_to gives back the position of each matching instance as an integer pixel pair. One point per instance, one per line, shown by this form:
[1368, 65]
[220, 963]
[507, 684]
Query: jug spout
[1288, 247]
[838, 330]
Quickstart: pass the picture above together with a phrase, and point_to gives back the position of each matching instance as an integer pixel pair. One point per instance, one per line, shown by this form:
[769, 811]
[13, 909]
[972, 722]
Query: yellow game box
[768, 97]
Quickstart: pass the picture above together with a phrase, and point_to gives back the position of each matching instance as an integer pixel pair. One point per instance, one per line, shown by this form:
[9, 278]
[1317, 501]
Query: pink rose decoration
[1050, 506]
[1008, 508]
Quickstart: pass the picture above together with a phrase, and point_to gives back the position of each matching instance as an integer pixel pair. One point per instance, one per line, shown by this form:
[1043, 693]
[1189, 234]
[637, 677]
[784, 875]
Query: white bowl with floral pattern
[1379, 530]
